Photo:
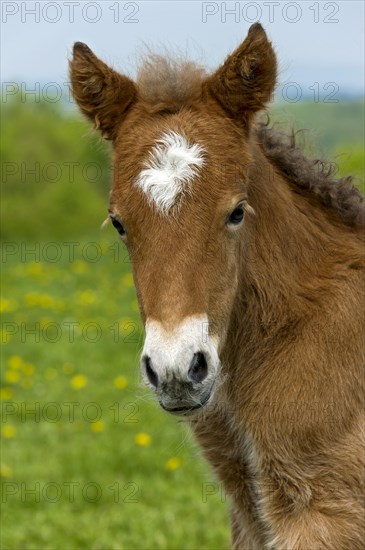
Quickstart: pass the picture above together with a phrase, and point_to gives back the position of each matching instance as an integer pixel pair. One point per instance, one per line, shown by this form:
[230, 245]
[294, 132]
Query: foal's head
[179, 199]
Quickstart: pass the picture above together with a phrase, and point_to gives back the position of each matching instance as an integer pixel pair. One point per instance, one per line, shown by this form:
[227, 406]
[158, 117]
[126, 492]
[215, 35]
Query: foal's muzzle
[198, 369]
[176, 395]
[188, 409]
[181, 365]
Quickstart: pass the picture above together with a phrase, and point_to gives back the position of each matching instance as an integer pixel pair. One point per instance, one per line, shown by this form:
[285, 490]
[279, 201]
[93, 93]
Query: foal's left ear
[246, 80]
[102, 94]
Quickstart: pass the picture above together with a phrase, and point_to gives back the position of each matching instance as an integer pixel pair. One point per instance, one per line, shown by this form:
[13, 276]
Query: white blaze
[172, 165]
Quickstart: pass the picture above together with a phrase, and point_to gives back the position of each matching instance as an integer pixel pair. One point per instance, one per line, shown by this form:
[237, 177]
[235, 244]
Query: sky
[320, 44]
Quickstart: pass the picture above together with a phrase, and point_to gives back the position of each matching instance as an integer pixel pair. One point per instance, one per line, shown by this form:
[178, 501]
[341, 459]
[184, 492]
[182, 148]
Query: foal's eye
[118, 226]
[236, 216]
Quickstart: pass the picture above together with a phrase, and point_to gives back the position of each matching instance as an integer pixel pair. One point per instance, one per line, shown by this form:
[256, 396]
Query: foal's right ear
[102, 94]
[246, 80]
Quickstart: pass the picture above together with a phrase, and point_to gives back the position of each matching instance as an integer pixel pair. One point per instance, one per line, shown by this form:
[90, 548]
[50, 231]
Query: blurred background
[88, 460]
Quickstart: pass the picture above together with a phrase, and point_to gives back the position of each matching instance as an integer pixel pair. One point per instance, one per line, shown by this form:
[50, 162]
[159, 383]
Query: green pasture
[108, 469]
[88, 460]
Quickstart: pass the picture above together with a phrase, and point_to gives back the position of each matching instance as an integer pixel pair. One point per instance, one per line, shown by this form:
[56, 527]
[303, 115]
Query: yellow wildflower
[87, 297]
[142, 439]
[120, 382]
[6, 305]
[8, 431]
[79, 267]
[5, 470]
[173, 464]
[78, 381]
[6, 394]
[31, 299]
[97, 426]
[15, 362]
[46, 301]
[12, 376]
[34, 268]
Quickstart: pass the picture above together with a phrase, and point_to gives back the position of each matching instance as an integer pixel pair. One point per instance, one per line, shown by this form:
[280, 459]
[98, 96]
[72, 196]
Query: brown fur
[102, 94]
[167, 84]
[285, 293]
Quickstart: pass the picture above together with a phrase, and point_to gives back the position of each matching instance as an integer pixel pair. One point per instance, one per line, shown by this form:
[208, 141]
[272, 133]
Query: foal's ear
[102, 94]
[246, 80]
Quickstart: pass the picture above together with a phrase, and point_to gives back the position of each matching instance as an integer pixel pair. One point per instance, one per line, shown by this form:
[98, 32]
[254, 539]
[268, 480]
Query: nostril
[151, 374]
[198, 369]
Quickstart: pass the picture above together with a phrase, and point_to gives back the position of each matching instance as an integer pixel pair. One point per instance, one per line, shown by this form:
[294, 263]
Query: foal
[248, 264]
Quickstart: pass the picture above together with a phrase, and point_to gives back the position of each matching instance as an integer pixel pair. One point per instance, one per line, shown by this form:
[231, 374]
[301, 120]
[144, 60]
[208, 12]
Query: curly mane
[314, 176]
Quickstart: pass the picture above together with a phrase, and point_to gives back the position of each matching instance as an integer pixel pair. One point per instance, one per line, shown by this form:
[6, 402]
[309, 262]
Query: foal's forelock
[172, 165]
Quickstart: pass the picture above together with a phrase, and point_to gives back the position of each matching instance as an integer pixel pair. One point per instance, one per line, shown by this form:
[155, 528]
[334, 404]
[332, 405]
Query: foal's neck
[290, 249]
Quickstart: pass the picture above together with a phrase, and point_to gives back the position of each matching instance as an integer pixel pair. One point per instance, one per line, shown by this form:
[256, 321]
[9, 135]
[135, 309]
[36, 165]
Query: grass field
[89, 461]
[108, 469]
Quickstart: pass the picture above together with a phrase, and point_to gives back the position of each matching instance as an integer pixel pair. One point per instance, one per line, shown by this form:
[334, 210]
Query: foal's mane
[311, 175]
[168, 84]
